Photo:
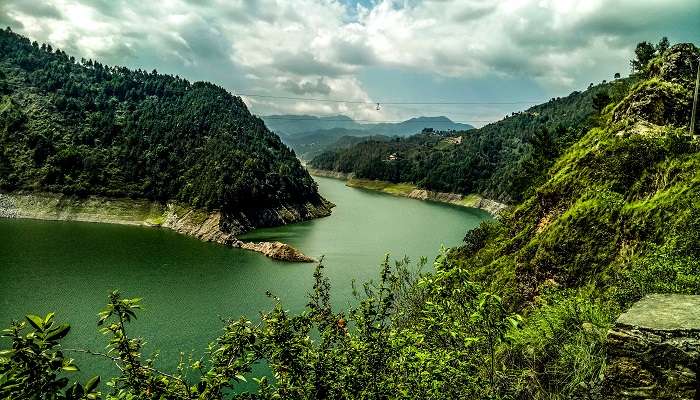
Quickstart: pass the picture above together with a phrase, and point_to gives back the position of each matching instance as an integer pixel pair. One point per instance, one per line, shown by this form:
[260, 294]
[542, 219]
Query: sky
[441, 51]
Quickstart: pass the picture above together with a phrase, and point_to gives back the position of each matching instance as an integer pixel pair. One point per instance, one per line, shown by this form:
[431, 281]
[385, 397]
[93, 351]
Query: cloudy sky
[375, 51]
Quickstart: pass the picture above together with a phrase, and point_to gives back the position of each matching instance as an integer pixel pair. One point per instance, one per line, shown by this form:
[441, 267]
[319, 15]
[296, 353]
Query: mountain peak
[440, 118]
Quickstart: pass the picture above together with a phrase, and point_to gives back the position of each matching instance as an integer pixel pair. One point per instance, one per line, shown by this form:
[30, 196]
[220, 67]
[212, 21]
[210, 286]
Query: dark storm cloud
[37, 8]
[305, 63]
[354, 53]
[6, 20]
[308, 87]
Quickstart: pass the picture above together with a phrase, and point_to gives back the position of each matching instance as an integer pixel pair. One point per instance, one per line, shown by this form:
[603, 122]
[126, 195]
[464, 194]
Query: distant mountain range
[292, 125]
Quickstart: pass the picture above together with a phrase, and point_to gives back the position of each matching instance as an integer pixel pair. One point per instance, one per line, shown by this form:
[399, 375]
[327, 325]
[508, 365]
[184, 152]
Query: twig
[116, 361]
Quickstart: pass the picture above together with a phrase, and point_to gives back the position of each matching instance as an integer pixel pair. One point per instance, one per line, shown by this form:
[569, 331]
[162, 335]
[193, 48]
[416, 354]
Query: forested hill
[80, 127]
[501, 161]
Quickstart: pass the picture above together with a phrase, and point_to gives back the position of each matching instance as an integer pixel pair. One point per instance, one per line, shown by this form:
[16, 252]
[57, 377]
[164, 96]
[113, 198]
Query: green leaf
[48, 319]
[58, 333]
[241, 378]
[70, 368]
[36, 321]
[92, 384]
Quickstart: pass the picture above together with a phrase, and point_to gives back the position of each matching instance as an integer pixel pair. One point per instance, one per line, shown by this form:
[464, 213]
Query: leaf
[241, 378]
[36, 321]
[78, 391]
[58, 333]
[48, 319]
[70, 368]
[92, 384]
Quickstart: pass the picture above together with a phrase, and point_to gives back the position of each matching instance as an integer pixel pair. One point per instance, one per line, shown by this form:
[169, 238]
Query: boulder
[653, 350]
[277, 250]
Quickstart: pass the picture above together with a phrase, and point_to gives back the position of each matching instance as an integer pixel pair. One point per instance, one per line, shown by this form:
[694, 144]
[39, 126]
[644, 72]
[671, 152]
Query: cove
[189, 286]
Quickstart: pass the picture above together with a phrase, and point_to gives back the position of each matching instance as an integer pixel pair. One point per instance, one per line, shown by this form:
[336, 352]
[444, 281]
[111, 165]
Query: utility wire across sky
[323, 119]
[379, 104]
[386, 102]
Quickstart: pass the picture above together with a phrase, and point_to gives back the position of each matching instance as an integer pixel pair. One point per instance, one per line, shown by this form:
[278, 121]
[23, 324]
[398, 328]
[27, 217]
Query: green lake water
[188, 286]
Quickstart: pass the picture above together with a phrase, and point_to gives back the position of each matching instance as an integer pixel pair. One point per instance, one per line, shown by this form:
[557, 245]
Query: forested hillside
[79, 127]
[501, 161]
[310, 144]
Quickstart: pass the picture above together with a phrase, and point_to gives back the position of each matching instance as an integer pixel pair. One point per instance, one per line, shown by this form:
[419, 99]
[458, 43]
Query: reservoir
[189, 286]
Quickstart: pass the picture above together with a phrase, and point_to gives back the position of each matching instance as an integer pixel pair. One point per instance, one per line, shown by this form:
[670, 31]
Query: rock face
[491, 206]
[472, 201]
[210, 226]
[665, 99]
[277, 250]
[330, 174]
[654, 350]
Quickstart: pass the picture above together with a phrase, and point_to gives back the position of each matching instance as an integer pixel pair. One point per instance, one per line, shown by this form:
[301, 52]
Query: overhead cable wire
[387, 102]
[323, 119]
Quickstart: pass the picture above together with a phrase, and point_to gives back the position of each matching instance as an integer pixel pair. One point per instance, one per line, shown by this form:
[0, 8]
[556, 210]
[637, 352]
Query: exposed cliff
[474, 201]
[210, 226]
[411, 191]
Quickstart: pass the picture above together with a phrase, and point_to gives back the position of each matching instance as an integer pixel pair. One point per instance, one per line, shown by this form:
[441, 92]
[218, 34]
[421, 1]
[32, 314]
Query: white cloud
[319, 47]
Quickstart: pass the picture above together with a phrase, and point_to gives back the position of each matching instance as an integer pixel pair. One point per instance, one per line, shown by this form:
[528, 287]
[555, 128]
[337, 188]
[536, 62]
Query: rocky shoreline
[411, 191]
[209, 226]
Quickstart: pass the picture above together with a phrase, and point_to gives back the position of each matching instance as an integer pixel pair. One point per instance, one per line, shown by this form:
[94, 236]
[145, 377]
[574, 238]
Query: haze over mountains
[309, 135]
[291, 125]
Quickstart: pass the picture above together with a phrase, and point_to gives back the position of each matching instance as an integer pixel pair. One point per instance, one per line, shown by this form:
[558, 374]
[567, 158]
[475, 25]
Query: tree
[663, 45]
[617, 75]
[644, 52]
[34, 367]
[600, 100]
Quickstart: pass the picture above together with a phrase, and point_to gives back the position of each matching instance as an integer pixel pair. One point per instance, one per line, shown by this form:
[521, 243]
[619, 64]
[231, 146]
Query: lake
[188, 286]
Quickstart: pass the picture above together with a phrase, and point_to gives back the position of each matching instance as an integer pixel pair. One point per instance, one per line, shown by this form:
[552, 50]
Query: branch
[116, 361]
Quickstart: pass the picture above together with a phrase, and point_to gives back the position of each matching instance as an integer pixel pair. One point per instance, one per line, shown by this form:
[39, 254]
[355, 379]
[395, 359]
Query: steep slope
[82, 128]
[502, 161]
[627, 188]
[617, 218]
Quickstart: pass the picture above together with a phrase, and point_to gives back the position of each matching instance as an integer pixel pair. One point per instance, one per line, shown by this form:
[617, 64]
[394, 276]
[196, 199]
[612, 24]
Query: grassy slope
[617, 218]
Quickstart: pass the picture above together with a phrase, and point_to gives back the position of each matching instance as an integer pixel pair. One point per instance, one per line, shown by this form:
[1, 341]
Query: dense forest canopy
[500, 160]
[80, 127]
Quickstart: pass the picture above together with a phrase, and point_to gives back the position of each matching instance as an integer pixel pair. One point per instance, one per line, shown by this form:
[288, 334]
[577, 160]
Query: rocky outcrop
[210, 226]
[666, 98]
[198, 223]
[654, 350]
[277, 250]
[330, 174]
[474, 201]
[249, 219]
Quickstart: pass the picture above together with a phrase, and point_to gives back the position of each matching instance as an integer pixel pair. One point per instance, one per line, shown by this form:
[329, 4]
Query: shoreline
[414, 192]
[186, 220]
